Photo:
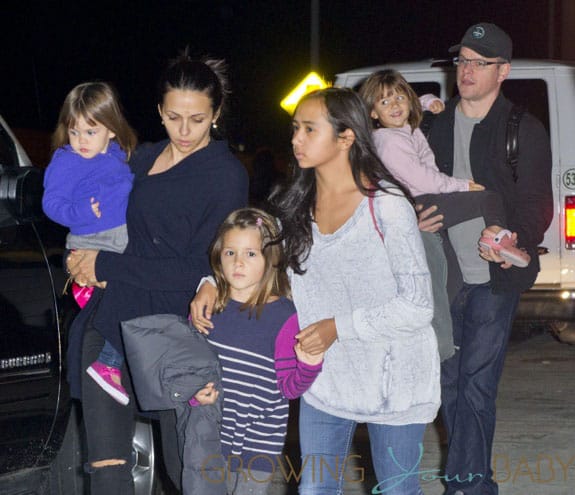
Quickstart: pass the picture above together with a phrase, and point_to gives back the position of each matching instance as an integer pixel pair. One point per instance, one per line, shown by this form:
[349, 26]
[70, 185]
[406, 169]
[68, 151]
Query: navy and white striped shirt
[260, 374]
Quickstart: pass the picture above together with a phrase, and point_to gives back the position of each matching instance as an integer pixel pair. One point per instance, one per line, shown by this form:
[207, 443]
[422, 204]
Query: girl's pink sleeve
[294, 377]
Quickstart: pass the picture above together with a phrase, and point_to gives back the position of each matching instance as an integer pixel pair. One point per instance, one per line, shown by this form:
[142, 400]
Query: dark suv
[40, 442]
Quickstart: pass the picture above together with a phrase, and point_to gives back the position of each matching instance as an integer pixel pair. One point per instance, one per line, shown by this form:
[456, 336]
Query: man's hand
[489, 254]
[428, 222]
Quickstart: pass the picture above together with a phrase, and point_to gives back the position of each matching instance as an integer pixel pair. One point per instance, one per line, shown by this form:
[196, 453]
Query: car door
[30, 344]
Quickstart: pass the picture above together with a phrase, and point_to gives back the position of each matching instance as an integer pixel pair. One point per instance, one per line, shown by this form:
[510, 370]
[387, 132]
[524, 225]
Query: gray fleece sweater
[384, 366]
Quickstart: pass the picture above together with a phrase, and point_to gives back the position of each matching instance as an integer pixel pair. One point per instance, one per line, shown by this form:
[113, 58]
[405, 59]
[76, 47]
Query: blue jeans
[481, 326]
[325, 442]
[110, 356]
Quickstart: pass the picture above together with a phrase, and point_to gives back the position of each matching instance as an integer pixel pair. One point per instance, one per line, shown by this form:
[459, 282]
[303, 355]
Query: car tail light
[570, 222]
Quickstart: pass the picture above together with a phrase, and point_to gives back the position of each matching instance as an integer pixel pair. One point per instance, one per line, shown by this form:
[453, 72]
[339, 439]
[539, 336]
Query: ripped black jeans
[109, 426]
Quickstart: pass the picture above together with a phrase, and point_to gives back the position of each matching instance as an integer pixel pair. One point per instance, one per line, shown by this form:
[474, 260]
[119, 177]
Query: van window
[424, 88]
[420, 88]
[530, 94]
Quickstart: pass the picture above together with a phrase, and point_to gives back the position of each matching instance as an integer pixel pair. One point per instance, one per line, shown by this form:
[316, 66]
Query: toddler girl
[86, 189]
[254, 334]
[397, 113]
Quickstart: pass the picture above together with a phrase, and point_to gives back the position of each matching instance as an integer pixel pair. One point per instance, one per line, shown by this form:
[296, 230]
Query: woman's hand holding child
[201, 308]
[81, 264]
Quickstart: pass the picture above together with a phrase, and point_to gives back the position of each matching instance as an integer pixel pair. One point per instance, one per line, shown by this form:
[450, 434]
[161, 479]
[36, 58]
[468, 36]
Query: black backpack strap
[512, 138]
[426, 122]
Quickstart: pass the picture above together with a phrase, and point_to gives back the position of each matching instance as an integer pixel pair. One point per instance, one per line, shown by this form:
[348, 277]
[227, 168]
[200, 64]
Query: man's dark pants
[481, 326]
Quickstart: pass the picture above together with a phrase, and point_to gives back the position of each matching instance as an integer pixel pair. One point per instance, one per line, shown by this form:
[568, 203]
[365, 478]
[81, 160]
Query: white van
[547, 89]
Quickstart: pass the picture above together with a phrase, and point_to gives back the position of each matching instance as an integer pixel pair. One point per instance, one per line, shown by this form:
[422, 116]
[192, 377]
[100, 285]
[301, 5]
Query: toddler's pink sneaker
[109, 379]
[503, 245]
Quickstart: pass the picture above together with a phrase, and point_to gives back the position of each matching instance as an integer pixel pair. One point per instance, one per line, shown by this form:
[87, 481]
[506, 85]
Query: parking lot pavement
[534, 449]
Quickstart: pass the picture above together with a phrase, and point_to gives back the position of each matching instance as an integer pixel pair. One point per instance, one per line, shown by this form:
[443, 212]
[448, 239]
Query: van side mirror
[21, 192]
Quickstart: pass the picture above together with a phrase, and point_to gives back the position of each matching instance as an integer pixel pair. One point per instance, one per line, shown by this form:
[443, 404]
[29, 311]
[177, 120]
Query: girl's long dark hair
[294, 202]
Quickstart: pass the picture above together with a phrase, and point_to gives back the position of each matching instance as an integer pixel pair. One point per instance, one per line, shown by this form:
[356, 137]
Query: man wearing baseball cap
[469, 141]
[487, 40]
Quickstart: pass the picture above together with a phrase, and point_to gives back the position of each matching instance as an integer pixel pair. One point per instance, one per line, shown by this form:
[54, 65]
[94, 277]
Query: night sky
[50, 46]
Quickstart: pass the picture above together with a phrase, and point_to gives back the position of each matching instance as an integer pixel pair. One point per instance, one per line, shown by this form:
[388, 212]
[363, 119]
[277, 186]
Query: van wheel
[145, 472]
[66, 471]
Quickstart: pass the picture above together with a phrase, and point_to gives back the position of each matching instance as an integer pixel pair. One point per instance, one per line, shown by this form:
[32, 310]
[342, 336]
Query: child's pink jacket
[410, 160]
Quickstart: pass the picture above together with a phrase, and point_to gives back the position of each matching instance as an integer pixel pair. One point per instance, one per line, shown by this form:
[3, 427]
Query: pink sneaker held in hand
[502, 244]
[110, 380]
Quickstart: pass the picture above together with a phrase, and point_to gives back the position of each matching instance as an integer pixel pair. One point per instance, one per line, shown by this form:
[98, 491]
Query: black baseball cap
[488, 40]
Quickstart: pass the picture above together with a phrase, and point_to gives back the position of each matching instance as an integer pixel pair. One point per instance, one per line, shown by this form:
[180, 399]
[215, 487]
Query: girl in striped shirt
[254, 328]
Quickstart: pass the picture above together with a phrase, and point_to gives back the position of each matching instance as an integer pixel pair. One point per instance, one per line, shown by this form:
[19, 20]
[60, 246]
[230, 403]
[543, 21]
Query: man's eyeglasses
[475, 63]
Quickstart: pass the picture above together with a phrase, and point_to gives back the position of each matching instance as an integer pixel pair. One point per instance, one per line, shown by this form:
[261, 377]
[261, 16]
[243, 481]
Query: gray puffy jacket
[169, 362]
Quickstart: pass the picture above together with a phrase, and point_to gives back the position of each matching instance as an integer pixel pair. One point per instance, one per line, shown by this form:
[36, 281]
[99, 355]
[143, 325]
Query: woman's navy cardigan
[172, 219]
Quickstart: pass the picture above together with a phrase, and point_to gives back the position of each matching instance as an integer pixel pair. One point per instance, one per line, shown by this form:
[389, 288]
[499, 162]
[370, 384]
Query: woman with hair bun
[184, 187]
